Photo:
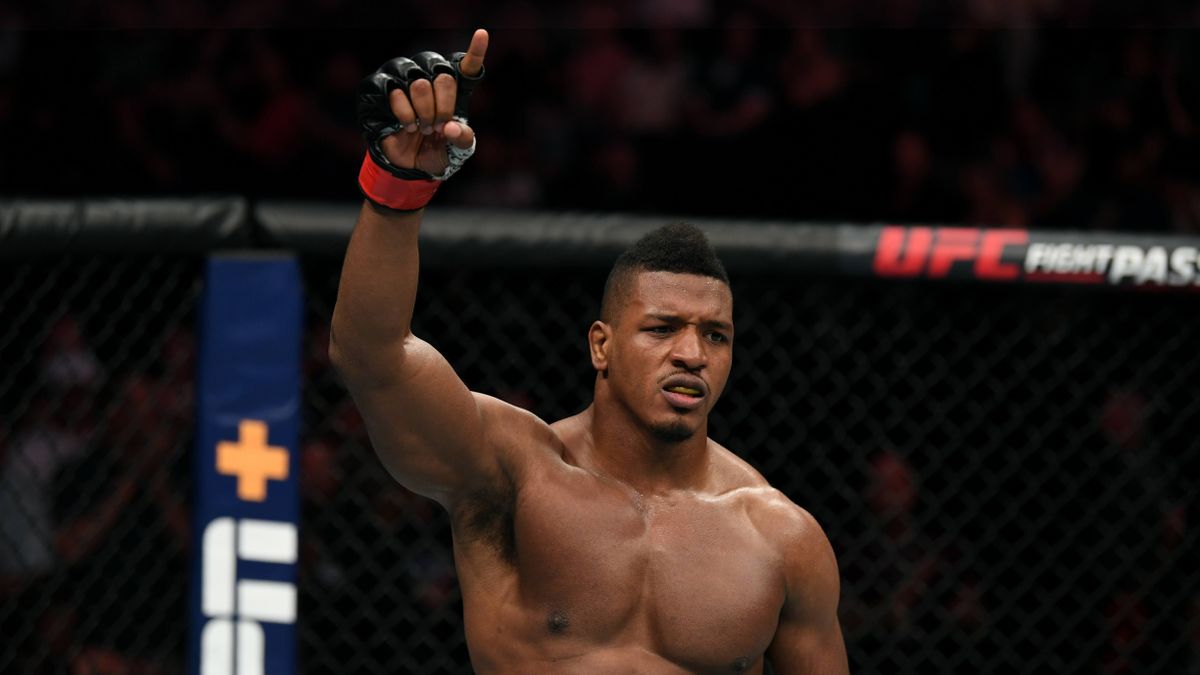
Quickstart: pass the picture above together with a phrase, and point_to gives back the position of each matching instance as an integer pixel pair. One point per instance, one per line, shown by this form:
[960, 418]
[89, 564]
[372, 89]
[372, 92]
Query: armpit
[486, 516]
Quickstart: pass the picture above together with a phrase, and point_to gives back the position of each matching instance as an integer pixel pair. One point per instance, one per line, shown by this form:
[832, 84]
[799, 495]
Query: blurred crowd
[95, 519]
[1040, 113]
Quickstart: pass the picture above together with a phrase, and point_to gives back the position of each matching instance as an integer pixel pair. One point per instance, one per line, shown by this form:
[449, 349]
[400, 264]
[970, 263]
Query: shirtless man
[619, 540]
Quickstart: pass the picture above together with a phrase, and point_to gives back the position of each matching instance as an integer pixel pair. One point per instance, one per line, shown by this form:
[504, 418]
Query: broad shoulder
[809, 565]
[517, 435]
[796, 535]
[801, 541]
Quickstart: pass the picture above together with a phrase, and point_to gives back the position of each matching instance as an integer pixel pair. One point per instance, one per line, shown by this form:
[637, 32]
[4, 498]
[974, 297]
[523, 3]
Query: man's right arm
[426, 426]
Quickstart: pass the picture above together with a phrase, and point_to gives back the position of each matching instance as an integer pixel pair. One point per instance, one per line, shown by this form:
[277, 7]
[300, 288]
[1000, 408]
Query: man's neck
[625, 450]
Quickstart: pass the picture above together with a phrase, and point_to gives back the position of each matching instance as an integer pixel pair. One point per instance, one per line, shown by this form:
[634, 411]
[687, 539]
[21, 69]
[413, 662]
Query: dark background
[1006, 473]
[1044, 113]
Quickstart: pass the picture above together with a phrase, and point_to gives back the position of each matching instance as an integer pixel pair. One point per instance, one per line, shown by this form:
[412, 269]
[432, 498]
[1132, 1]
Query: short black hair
[675, 247]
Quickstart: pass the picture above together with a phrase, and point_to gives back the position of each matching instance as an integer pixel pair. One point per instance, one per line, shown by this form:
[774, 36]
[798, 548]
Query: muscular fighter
[619, 540]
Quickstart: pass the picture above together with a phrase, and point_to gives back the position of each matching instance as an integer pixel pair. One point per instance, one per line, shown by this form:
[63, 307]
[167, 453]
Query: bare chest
[687, 578]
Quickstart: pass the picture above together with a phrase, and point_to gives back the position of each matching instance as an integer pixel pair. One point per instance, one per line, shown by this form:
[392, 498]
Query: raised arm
[428, 429]
[809, 638]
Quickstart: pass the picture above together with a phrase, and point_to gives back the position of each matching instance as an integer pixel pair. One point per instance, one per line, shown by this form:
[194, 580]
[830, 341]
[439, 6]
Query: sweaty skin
[619, 540]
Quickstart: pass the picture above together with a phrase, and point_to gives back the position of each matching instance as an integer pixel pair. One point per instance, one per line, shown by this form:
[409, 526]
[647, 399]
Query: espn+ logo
[235, 608]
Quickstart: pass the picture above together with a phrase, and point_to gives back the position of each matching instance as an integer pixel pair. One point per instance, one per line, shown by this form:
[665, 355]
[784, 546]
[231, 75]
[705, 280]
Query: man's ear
[599, 342]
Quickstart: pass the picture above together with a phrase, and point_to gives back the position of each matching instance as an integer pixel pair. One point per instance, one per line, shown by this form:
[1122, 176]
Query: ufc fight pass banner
[1019, 255]
[243, 613]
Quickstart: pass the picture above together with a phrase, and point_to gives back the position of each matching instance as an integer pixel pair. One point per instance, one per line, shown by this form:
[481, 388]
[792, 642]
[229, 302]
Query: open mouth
[681, 397]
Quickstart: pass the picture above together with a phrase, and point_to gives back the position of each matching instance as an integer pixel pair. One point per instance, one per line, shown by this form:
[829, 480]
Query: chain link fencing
[1006, 472]
[97, 406]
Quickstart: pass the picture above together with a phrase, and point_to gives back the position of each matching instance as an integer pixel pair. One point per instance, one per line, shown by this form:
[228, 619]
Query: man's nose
[688, 350]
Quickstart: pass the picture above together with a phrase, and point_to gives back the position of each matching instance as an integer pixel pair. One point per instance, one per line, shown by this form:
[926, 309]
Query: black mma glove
[382, 182]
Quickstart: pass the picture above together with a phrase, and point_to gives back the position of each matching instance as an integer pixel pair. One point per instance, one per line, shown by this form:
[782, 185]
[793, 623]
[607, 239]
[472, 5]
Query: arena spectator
[30, 459]
[126, 535]
[1022, 118]
[915, 583]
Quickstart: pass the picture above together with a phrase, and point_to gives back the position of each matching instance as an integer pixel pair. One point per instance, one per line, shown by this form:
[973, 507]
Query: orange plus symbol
[252, 460]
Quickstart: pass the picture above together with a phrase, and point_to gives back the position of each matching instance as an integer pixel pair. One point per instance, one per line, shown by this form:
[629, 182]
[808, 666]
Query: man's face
[669, 349]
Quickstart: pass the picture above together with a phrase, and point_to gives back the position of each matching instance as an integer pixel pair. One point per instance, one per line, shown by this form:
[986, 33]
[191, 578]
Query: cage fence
[1006, 472]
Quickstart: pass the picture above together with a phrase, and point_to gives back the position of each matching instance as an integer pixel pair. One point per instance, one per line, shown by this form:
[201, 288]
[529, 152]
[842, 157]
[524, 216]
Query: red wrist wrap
[387, 190]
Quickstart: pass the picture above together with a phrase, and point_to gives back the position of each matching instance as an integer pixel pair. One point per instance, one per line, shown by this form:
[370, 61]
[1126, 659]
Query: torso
[581, 574]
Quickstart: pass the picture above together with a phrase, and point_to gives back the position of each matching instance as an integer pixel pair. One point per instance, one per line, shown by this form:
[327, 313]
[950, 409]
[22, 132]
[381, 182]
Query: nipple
[558, 623]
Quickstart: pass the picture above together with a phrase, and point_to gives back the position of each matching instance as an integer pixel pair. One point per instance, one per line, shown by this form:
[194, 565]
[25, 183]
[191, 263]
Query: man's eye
[718, 337]
[659, 330]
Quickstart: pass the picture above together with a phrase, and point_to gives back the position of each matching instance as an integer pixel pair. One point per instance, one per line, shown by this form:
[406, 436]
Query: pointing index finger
[472, 63]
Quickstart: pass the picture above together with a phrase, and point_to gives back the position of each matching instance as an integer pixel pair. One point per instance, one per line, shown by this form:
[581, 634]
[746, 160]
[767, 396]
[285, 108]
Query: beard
[672, 432]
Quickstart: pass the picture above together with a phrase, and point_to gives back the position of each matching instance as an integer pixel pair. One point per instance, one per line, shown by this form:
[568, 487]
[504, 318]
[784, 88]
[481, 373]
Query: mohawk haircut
[677, 247]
